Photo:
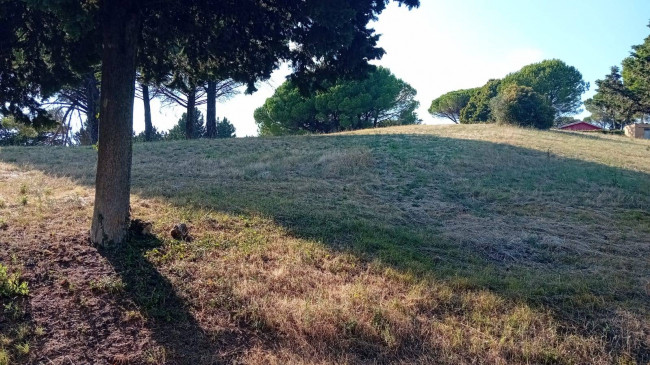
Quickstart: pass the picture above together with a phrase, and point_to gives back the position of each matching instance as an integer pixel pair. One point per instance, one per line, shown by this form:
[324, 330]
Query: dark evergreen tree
[450, 105]
[562, 85]
[478, 108]
[614, 104]
[522, 106]
[224, 129]
[180, 129]
[243, 41]
[379, 100]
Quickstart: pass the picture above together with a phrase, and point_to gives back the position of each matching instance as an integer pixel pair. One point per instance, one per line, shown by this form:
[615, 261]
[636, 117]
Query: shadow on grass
[564, 233]
[181, 338]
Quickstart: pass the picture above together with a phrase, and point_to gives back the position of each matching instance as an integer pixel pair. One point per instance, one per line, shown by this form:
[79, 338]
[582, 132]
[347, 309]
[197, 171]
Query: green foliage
[379, 100]
[624, 97]
[156, 135]
[225, 129]
[522, 106]
[478, 109]
[451, 104]
[13, 131]
[614, 104]
[178, 131]
[45, 43]
[10, 284]
[636, 75]
[562, 85]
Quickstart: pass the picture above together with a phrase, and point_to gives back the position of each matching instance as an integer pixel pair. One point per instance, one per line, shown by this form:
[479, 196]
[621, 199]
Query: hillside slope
[418, 244]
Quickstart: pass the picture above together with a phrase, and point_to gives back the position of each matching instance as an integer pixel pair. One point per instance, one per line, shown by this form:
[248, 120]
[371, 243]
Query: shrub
[522, 106]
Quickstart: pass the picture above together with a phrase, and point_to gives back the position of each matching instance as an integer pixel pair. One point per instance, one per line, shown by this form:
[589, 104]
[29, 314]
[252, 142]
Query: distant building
[638, 130]
[580, 126]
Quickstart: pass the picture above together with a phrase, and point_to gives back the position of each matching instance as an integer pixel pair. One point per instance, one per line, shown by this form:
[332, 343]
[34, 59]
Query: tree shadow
[174, 328]
[550, 231]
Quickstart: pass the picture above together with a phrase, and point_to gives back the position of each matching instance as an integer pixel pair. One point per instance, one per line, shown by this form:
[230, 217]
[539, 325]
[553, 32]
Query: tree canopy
[522, 106]
[179, 130]
[624, 97]
[478, 109]
[379, 100]
[636, 76]
[225, 129]
[44, 42]
[450, 105]
[613, 105]
[562, 85]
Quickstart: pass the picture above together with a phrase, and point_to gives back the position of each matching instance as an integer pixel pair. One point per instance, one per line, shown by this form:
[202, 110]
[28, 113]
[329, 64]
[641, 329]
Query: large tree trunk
[148, 126]
[121, 28]
[189, 121]
[211, 118]
[93, 107]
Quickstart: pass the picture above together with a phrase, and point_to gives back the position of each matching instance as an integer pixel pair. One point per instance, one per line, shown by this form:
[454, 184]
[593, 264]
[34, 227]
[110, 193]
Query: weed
[13, 310]
[107, 285]
[10, 284]
[22, 332]
[155, 355]
[4, 357]
[23, 348]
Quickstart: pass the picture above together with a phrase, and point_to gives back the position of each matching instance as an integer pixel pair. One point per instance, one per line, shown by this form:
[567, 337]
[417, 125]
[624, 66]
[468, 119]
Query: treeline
[378, 100]
[539, 95]
[223, 129]
[78, 101]
[623, 96]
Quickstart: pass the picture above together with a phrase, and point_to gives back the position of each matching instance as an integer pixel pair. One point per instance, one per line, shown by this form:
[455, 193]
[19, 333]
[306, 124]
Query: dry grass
[427, 245]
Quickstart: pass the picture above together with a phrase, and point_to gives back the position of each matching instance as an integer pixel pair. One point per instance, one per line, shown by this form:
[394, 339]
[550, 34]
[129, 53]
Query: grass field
[420, 244]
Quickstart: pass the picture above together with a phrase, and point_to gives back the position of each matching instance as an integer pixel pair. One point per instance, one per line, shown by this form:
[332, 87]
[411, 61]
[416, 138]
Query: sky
[449, 45]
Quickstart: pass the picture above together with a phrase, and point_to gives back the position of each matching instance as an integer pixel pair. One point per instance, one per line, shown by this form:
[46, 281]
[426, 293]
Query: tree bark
[189, 121]
[211, 118]
[148, 126]
[120, 31]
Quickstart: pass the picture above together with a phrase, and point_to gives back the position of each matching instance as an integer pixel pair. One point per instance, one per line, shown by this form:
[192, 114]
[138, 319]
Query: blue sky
[450, 45]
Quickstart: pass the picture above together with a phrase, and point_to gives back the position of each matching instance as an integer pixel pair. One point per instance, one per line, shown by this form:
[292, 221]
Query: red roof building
[580, 126]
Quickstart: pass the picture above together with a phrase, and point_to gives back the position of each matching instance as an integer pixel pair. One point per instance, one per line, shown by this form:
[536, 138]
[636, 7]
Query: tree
[189, 96]
[155, 135]
[636, 76]
[179, 130]
[224, 129]
[560, 84]
[478, 108]
[379, 100]
[16, 133]
[243, 40]
[80, 97]
[145, 92]
[522, 106]
[451, 104]
[614, 104]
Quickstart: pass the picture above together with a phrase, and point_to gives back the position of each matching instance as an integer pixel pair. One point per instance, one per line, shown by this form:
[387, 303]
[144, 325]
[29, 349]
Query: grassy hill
[419, 244]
